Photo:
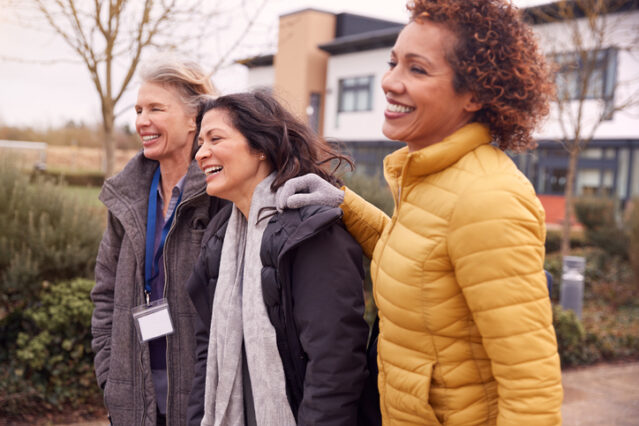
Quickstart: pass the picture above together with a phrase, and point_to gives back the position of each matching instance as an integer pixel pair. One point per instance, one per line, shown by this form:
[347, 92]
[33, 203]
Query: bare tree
[585, 38]
[111, 36]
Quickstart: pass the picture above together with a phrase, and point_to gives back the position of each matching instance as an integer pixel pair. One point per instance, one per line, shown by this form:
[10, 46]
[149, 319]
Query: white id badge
[152, 320]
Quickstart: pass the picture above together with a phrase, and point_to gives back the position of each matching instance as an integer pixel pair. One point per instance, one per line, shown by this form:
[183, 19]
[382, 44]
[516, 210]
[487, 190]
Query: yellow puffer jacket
[466, 335]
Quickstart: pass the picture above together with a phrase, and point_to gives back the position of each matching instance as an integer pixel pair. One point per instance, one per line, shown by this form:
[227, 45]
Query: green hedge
[606, 334]
[632, 225]
[45, 234]
[598, 216]
[52, 364]
[553, 240]
[374, 190]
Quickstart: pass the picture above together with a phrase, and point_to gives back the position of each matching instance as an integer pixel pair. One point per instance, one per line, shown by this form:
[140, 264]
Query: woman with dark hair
[466, 334]
[281, 335]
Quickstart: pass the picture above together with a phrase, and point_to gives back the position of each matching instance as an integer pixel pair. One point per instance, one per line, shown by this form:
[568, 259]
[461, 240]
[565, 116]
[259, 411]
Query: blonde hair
[185, 76]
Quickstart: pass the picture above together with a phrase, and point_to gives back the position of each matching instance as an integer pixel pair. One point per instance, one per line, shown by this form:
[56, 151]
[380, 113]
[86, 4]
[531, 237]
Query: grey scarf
[239, 314]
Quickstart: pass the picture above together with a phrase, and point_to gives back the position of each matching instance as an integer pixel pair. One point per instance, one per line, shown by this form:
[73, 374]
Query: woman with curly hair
[466, 334]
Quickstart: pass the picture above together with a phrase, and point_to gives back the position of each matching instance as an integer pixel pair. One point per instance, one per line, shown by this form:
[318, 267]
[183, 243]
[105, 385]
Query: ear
[472, 105]
[192, 126]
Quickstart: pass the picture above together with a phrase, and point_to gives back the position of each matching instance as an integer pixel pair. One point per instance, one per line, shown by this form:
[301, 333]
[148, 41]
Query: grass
[87, 194]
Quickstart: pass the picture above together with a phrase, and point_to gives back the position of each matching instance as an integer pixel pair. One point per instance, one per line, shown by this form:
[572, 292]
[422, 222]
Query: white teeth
[149, 137]
[398, 108]
[212, 170]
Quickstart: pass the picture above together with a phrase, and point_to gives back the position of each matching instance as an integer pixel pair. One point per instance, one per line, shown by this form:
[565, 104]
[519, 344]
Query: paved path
[606, 394]
[602, 395]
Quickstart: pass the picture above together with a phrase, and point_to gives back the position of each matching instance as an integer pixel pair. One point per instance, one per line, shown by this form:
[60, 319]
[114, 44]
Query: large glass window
[586, 75]
[356, 94]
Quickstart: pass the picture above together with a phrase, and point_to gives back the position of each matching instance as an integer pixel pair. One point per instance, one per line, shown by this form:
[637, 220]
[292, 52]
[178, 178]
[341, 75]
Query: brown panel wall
[300, 67]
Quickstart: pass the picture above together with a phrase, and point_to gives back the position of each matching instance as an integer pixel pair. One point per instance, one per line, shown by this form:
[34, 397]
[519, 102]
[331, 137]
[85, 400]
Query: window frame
[569, 66]
[358, 89]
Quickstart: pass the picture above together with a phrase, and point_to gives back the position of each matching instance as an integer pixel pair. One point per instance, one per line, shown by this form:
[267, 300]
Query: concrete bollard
[571, 293]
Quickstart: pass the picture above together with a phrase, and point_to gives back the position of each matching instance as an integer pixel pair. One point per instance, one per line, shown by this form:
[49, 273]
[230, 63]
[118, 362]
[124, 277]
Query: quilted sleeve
[364, 221]
[102, 297]
[496, 245]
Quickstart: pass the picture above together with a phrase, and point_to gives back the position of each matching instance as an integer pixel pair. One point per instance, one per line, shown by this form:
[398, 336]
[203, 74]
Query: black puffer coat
[312, 288]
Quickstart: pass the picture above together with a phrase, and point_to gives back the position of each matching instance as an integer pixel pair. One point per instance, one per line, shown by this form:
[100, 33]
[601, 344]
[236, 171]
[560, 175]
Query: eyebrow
[152, 104]
[414, 56]
[211, 130]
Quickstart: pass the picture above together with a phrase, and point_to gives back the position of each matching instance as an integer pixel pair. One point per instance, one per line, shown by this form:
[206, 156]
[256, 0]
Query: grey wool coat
[122, 363]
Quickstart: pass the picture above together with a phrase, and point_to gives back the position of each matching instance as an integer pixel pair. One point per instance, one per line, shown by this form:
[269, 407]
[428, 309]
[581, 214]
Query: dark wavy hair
[291, 146]
[496, 58]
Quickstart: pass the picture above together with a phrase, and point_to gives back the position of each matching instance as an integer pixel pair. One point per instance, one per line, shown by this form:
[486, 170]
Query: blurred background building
[328, 67]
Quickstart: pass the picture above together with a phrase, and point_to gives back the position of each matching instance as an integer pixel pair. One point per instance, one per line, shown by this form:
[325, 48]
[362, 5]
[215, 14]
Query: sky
[42, 86]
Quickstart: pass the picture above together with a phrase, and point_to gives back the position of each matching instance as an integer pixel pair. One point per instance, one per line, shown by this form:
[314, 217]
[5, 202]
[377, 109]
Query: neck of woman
[171, 171]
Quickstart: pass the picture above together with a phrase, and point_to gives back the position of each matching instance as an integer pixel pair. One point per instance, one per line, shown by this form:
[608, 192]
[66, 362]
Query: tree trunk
[108, 124]
[568, 198]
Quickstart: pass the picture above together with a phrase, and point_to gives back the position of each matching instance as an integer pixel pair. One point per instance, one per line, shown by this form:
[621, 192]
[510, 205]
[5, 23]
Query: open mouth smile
[397, 108]
[213, 170]
[149, 139]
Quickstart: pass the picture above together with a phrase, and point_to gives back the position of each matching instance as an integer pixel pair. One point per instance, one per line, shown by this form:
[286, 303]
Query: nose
[202, 154]
[141, 119]
[392, 81]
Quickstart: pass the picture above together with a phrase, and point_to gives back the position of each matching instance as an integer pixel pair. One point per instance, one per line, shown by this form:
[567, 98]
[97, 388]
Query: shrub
[553, 265]
[53, 359]
[573, 346]
[609, 279]
[553, 240]
[372, 188]
[45, 234]
[597, 215]
[632, 225]
[613, 333]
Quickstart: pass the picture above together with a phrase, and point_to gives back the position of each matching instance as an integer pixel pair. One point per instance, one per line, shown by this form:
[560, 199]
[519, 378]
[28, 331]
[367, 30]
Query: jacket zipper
[142, 387]
[166, 282]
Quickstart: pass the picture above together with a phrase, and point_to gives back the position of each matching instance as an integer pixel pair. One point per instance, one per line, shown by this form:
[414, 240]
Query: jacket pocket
[405, 385]
[118, 395]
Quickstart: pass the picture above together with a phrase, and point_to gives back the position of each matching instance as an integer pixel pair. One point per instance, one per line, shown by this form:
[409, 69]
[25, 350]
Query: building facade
[346, 102]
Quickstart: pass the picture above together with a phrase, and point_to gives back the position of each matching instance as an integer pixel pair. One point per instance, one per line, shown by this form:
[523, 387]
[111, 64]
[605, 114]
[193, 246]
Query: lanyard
[151, 262]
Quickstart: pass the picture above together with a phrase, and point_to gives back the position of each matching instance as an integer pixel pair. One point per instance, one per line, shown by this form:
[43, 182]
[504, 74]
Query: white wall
[621, 31]
[366, 125]
[360, 125]
[261, 77]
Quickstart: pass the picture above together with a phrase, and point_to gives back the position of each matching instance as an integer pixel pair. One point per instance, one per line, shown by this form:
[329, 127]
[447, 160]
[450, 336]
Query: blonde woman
[157, 212]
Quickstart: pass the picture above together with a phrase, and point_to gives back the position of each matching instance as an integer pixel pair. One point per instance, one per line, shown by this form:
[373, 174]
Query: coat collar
[126, 194]
[132, 183]
[434, 158]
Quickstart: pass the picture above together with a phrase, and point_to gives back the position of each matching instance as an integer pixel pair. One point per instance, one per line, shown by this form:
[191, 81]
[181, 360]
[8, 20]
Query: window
[587, 75]
[356, 94]
[313, 111]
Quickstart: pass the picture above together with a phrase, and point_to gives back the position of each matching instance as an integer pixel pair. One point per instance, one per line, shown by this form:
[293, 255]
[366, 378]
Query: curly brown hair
[497, 59]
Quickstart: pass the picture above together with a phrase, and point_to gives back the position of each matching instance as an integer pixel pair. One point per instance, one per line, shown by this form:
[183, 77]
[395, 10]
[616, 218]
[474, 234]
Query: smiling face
[163, 124]
[232, 168]
[422, 106]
